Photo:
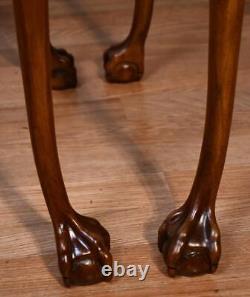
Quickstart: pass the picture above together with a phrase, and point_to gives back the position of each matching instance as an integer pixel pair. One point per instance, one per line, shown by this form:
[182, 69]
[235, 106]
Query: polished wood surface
[63, 71]
[124, 62]
[190, 237]
[83, 245]
[158, 162]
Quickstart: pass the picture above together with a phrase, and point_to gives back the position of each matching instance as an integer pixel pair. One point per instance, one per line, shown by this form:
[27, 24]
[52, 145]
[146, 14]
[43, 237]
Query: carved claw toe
[63, 74]
[123, 65]
[190, 243]
[83, 247]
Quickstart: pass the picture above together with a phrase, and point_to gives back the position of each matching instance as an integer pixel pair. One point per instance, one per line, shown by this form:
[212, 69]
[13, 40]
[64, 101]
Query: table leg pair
[189, 238]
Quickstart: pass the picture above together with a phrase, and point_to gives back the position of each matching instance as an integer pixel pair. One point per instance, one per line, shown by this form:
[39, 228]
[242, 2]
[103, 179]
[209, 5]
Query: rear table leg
[63, 73]
[125, 62]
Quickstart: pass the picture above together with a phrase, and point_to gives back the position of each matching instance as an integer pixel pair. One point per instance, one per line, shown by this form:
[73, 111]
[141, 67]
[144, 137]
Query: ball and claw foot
[190, 245]
[83, 248]
[63, 73]
[123, 64]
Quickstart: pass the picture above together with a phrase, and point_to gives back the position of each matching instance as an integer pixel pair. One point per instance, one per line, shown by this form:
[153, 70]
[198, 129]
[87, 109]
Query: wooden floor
[128, 152]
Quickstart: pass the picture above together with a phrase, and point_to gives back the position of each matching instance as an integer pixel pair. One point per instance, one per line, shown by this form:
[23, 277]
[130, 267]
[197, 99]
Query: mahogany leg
[63, 72]
[190, 238]
[82, 243]
[125, 62]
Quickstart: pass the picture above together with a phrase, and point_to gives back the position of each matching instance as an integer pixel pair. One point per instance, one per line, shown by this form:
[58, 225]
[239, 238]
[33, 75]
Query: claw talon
[66, 282]
[190, 246]
[171, 272]
[82, 250]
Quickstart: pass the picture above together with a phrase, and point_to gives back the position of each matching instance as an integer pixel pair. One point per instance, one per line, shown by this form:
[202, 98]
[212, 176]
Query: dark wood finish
[125, 62]
[190, 238]
[82, 243]
[63, 73]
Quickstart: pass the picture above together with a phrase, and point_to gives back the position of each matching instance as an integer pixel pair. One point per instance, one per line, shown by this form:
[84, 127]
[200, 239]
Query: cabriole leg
[189, 238]
[82, 243]
[125, 62]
